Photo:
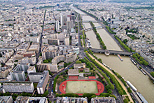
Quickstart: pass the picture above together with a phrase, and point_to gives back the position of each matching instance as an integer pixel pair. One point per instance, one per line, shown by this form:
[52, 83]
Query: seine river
[125, 68]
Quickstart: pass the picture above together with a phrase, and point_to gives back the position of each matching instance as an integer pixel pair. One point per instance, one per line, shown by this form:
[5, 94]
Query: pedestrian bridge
[113, 52]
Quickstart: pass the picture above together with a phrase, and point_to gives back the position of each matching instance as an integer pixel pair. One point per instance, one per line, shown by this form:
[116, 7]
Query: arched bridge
[113, 52]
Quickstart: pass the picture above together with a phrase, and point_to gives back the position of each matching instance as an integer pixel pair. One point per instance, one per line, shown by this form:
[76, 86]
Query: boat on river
[120, 57]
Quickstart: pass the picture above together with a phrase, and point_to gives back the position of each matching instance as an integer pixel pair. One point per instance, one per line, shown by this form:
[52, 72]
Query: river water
[125, 68]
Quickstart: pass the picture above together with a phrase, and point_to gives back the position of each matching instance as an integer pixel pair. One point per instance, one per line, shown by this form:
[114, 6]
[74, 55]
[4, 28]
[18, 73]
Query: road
[40, 43]
[51, 81]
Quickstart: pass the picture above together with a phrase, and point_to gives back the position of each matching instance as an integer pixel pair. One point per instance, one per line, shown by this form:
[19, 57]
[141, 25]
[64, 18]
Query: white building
[31, 69]
[18, 75]
[18, 87]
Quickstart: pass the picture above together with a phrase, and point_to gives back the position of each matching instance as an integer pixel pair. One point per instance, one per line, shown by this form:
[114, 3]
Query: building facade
[18, 87]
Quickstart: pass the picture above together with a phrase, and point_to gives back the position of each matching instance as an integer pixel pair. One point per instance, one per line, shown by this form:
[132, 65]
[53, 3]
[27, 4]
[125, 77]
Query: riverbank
[130, 98]
[126, 68]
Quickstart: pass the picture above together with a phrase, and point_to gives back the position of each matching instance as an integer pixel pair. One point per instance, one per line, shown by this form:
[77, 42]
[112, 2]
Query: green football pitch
[81, 87]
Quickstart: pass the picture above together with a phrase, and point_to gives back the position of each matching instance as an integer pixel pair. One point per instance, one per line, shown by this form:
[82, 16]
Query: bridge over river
[88, 29]
[113, 52]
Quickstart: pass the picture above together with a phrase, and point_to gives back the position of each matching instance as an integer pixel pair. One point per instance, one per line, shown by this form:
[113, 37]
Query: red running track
[100, 87]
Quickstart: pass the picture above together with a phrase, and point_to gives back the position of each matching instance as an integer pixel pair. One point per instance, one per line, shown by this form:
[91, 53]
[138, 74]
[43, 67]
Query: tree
[145, 62]
[45, 61]
[45, 93]
[126, 100]
[50, 73]
[109, 91]
[152, 73]
[100, 60]
[78, 62]
[59, 80]
[92, 72]
[129, 90]
[40, 54]
[125, 41]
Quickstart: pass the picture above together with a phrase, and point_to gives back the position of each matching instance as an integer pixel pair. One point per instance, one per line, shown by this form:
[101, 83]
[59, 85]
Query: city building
[31, 69]
[22, 67]
[18, 75]
[73, 72]
[6, 99]
[34, 47]
[38, 100]
[4, 71]
[81, 65]
[103, 100]
[71, 57]
[43, 82]
[58, 59]
[148, 57]
[71, 100]
[57, 25]
[22, 99]
[18, 87]
[25, 99]
[35, 76]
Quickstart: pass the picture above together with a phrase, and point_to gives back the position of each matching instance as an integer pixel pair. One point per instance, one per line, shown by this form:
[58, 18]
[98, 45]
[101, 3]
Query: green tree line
[140, 59]
[98, 36]
[124, 45]
[110, 30]
[114, 80]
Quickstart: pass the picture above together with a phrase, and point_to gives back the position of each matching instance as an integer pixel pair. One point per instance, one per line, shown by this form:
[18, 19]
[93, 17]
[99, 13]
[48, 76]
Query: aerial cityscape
[76, 51]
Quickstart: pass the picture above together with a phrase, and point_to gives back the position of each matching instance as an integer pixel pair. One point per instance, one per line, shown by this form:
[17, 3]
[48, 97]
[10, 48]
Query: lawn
[81, 87]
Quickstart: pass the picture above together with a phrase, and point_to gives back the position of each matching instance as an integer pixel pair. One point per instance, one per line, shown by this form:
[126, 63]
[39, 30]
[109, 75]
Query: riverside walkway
[130, 98]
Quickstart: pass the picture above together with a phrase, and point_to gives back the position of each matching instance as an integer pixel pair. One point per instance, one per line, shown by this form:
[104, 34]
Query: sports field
[81, 87]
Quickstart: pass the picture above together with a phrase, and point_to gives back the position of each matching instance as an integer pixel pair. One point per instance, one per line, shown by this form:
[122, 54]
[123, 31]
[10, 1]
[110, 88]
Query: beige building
[4, 71]
[71, 57]
[73, 72]
[34, 47]
[81, 65]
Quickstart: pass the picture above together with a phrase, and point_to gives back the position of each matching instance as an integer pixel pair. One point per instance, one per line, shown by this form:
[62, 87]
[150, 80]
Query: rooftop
[31, 68]
[4, 99]
[73, 72]
[41, 82]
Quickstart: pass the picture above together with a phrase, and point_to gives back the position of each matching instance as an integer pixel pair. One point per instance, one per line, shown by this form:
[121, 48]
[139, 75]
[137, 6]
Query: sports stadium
[81, 86]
